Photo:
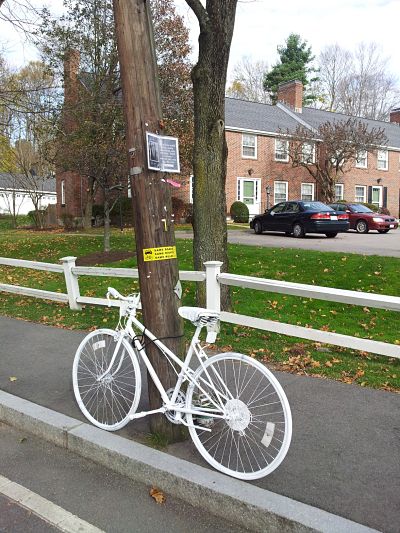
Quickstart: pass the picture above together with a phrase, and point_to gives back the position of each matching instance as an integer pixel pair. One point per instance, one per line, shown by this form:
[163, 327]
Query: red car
[362, 219]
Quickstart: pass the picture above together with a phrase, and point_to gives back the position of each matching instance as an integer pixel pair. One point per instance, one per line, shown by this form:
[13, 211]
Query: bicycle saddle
[199, 316]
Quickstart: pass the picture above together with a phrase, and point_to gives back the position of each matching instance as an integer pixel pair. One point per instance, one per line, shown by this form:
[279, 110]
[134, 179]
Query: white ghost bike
[235, 409]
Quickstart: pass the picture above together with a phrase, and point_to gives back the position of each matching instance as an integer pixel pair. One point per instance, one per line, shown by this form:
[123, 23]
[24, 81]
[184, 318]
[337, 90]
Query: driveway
[371, 243]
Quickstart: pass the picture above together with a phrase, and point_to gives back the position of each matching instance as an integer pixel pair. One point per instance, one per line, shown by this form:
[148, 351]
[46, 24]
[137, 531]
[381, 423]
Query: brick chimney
[290, 93]
[395, 115]
[71, 68]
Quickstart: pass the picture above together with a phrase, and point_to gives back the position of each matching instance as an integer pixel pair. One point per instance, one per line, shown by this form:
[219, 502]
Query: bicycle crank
[173, 416]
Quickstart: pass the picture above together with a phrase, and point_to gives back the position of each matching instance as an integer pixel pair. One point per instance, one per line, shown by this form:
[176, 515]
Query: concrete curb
[249, 506]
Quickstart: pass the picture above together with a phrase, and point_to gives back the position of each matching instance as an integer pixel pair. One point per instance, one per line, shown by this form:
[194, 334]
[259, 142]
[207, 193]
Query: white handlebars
[132, 300]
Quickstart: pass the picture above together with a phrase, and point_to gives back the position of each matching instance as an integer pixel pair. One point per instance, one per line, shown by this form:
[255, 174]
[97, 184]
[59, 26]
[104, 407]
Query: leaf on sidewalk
[157, 495]
[12, 378]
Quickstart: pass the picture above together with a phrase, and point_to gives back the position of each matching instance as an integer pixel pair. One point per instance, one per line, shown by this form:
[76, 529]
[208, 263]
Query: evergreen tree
[295, 64]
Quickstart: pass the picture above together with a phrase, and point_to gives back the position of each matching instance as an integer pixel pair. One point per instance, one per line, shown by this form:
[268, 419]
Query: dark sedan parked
[299, 218]
[362, 219]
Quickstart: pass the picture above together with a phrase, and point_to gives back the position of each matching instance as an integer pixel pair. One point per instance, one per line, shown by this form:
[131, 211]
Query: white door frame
[380, 189]
[255, 207]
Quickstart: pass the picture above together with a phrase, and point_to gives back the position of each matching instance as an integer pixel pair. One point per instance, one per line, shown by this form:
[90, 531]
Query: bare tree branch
[331, 151]
[200, 12]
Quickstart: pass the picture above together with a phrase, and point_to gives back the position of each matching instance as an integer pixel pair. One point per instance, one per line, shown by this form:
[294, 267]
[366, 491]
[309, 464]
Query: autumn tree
[216, 21]
[30, 172]
[295, 63]
[331, 150]
[357, 83]
[6, 96]
[80, 48]
[8, 167]
[248, 81]
[173, 50]
[334, 65]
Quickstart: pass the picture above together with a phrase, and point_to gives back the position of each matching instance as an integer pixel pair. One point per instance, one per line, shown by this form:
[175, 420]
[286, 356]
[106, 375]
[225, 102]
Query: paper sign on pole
[162, 153]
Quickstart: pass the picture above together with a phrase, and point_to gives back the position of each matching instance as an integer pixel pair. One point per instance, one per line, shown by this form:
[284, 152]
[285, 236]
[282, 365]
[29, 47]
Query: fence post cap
[68, 259]
[213, 263]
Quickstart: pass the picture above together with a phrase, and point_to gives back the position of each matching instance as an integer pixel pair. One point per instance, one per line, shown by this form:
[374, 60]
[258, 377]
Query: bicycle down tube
[184, 373]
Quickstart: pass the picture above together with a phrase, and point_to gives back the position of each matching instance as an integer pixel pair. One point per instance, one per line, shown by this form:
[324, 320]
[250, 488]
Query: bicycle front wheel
[106, 396]
[253, 435]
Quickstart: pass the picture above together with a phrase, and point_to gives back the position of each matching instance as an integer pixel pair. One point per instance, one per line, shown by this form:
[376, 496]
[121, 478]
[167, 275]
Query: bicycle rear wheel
[107, 401]
[253, 437]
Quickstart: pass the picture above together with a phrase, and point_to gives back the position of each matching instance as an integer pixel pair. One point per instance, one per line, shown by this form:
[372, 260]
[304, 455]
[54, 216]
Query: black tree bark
[216, 22]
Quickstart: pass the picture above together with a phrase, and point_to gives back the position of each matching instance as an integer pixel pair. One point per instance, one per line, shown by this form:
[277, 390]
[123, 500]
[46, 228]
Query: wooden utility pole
[151, 197]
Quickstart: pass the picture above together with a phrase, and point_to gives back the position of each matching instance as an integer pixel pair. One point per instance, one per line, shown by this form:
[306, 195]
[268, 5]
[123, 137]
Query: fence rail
[214, 278]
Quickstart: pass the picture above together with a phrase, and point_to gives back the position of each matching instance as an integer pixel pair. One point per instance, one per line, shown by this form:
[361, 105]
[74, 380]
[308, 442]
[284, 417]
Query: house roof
[268, 118]
[18, 182]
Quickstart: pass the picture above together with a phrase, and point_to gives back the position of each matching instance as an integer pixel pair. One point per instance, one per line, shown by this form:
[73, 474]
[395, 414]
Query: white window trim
[286, 191]
[191, 189]
[287, 150]
[341, 186]
[312, 191]
[386, 160]
[364, 187]
[255, 146]
[62, 192]
[360, 165]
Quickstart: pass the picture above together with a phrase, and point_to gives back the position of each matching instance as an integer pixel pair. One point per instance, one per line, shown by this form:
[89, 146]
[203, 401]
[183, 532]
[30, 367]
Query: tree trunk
[14, 211]
[107, 225]
[151, 197]
[210, 148]
[87, 218]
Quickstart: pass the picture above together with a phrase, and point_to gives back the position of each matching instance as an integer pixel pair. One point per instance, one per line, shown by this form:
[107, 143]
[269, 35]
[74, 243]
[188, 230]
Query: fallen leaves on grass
[299, 364]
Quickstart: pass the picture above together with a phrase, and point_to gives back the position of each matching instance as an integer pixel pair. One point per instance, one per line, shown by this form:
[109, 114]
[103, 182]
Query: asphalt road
[344, 456]
[371, 243]
[104, 499]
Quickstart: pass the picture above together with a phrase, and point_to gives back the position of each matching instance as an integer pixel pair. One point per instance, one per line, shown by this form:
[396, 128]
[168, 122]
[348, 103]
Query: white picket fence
[214, 279]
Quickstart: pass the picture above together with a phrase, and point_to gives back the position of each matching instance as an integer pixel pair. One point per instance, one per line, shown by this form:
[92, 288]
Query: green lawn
[346, 271]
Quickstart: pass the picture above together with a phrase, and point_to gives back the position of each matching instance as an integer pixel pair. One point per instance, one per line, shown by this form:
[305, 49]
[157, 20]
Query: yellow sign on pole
[159, 254]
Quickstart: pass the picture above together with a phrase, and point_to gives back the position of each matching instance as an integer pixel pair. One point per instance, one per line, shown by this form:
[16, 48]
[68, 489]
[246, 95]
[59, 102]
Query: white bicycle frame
[170, 404]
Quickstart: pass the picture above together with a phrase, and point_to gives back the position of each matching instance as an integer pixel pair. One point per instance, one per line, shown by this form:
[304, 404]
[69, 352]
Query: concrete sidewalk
[344, 456]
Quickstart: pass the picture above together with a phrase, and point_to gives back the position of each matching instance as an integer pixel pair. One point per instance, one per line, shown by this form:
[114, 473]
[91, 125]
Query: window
[280, 208]
[361, 194]
[382, 160]
[62, 192]
[249, 146]
[191, 189]
[281, 150]
[280, 191]
[292, 207]
[362, 159]
[339, 191]
[307, 192]
[308, 153]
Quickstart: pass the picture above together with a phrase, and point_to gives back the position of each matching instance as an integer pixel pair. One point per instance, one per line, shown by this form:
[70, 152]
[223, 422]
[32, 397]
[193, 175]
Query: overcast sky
[261, 25]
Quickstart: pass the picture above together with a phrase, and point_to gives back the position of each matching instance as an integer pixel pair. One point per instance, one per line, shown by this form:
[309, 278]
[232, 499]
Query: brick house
[258, 169]
[260, 174]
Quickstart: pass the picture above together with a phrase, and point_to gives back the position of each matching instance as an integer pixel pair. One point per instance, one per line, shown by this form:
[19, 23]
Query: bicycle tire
[107, 403]
[253, 438]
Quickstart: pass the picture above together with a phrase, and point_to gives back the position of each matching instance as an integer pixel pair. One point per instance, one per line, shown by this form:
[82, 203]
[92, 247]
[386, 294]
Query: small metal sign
[162, 153]
[159, 254]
